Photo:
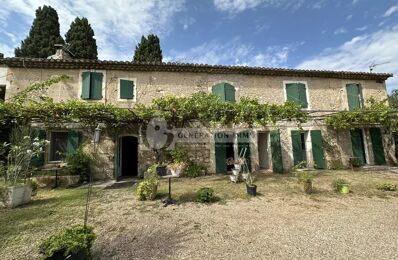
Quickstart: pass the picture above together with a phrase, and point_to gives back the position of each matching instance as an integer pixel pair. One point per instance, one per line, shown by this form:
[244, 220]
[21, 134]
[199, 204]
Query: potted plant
[251, 188]
[306, 178]
[176, 168]
[72, 243]
[20, 152]
[178, 164]
[342, 186]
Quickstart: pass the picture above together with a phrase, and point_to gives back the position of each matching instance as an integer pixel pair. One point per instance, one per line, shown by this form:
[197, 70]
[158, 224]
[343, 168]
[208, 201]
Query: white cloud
[233, 53]
[358, 53]
[349, 17]
[341, 30]
[237, 6]
[391, 10]
[355, 1]
[118, 24]
[361, 29]
[7, 50]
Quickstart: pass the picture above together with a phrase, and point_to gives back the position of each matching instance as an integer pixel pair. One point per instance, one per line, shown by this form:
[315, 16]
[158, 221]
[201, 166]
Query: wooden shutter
[244, 142]
[86, 85]
[317, 149]
[219, 91]
[96, 86]
[292, 92]
[276, 151]
[41, 134]
[302, 95]
[73, 140]
[353, 96]
[229, 93]
[358, 149]
[126, 89]
[377, 146]
[297, 148]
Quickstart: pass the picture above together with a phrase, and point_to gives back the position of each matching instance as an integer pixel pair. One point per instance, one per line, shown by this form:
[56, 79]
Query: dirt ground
[280, 223]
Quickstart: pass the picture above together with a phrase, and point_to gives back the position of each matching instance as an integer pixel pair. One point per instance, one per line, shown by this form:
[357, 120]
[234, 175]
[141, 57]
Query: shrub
[147, 189]
[337, 184]
[34, 185]
[205, 195]
[356, 162]
[69, 241]
[387, 186]
[179, 155]
[194, 170]
[79, 164]
[305, 176]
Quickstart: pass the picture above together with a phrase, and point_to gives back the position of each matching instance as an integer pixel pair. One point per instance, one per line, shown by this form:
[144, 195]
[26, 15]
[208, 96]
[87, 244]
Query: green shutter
[126, 89]
[219, 91]
[221, 155]
[297, 149]
[292, 92]
[229, 93]
[377, 146]
[358, 149]
[86, 85]
[96, 85]
[41, 134]
[396, 144]
[244, 142]
[302, 95]
[276, 151]
[317, 149]
[353, 96]
[73, 140]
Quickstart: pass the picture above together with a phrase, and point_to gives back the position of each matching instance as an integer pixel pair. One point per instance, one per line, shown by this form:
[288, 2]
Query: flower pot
[237, 166]
[251, 190]
[161, 170]
[245, 175]
[344, 188]
[235, 172]
[18, 195]
[176, 172]
[234, 178]
[308, 187]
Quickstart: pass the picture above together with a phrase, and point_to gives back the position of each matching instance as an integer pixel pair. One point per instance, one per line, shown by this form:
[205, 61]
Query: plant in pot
[147, 188]
[22, 150]
[178, 164]
[341, 186]
[306, 177]
[251, 188]
[161, 159]
[71, 243]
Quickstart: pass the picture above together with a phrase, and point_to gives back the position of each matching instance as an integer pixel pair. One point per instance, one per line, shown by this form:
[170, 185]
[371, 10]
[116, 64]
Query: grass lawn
[128, 228]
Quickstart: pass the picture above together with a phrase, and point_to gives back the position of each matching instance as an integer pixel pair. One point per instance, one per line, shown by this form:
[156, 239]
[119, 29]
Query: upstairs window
[127, 88]
[297, 93]
[92, 85]
[354, 96]
[225, 91]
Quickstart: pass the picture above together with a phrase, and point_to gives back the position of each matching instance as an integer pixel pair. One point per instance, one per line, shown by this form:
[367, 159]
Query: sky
[305, 34]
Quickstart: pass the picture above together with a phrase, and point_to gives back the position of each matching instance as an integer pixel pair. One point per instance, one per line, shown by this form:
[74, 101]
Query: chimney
[62, 53]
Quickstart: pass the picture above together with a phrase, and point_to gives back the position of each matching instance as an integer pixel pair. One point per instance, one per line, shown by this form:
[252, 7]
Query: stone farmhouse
[278, 147]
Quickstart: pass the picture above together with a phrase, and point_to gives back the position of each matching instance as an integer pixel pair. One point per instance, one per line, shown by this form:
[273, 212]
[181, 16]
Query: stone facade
[323, 93]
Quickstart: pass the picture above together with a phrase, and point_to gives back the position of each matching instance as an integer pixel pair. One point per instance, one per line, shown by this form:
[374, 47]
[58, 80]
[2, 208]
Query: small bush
[146, 190]
[69, 241]
[179, 155]
[79, 164]
[305, 176]
[194, 170]
[336, 165]
[337, 184]
[387, 186]
[205, 195]
[356, 162]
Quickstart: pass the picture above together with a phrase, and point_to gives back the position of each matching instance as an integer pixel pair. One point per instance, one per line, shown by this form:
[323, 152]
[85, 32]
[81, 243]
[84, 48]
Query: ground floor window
[58, 145]
[2, 92]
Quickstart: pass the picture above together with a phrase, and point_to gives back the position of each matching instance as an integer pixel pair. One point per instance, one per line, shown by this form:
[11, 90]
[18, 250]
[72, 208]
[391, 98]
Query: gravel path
[300, 228]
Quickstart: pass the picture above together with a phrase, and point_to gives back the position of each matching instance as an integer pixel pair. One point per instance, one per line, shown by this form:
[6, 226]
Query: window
[92, 85]
[297, 93]
[2, 93]
[62, 143]
[126, 89]
[354, 96]
[58, 146]
[225, 91]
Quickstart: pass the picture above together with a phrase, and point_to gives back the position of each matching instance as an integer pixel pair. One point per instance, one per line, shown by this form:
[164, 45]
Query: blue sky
[314, 34]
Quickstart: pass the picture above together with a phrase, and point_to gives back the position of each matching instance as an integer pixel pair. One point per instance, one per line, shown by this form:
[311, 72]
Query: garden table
[169, 200]
[56, 168]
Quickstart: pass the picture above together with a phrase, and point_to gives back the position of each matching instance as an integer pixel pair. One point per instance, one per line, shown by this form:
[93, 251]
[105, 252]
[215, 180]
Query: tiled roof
[185, 67]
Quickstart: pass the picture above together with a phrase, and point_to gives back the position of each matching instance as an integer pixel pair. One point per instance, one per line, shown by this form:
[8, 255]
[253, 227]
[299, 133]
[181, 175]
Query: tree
[148, 50]
[393, 99]
[81, 39]
[43, 34]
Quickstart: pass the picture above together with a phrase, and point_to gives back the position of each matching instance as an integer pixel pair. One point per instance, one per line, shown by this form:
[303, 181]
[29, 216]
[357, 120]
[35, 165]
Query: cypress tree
[148, 50]
[43, 34]
[81, 39]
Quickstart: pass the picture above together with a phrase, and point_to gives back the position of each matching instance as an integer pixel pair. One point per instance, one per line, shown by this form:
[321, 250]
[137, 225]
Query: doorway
[128, 156]
[224, 150]
[263, 159]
